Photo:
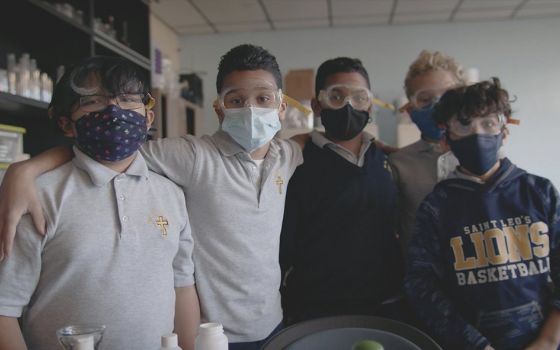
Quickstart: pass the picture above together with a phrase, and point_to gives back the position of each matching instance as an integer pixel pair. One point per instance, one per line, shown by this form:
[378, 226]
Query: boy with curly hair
[485, 243]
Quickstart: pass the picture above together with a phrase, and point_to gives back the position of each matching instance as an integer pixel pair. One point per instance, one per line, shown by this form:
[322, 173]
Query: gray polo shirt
[322, 141]
[236, 221]
[417, 168]
[116, 246]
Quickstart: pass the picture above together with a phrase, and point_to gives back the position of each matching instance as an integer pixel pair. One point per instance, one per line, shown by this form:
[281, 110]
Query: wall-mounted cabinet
[60, 33]
[175, 116]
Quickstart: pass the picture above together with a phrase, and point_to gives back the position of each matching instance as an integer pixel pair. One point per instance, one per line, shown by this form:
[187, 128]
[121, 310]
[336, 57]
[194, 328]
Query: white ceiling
[225, 16]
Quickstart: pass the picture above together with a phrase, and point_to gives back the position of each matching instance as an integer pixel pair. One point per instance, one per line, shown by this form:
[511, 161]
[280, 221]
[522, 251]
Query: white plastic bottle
[169, 342]
[211, 337]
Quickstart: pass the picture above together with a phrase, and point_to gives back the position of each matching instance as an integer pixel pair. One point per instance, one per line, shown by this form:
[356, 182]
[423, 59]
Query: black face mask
[344, 123]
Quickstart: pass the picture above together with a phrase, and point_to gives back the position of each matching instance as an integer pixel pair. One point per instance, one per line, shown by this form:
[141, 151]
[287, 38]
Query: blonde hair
[430, 61]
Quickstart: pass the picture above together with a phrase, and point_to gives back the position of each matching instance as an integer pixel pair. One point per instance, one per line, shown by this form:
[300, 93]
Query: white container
[11, 143]
[211, 337]
[169, 342]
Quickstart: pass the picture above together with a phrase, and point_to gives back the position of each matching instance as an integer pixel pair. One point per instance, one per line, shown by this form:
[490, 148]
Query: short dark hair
[473, 101]
[116, 75]
[247, 57]
[338, 65]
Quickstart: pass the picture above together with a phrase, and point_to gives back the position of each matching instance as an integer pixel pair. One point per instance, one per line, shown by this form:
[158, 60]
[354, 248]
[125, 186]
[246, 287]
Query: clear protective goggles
[424, 98]
[128, 101]
[251, 93]
[489, 125]
[336, 96]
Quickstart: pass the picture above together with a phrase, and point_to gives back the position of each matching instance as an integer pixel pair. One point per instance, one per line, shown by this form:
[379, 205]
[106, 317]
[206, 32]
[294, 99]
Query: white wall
[165, 39]
[525, 54]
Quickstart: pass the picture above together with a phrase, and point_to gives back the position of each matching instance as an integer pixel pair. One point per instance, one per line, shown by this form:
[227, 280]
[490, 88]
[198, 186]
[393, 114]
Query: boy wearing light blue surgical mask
[486, 242]
[235, 184]
[420, 165]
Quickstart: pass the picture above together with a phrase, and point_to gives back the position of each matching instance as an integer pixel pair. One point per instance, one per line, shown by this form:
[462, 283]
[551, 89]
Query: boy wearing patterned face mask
[116, 251]
[339, 252]
[486, 241]
[235, 184]
[419, 166]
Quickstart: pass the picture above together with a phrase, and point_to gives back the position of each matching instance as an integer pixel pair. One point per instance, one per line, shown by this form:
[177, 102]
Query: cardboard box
[300, 84]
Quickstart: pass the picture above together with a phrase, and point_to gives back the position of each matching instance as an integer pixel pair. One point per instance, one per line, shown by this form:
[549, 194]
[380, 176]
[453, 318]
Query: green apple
[367, 345]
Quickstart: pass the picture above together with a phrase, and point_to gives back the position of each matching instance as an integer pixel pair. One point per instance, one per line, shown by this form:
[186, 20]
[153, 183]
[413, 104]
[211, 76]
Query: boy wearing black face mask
[486, 241]
[338, 252]
[118, 246]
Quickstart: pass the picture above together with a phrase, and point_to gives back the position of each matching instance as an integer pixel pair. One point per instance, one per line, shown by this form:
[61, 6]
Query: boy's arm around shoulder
[301, 139]
[294, 148]
[18, 194]
[174, 158]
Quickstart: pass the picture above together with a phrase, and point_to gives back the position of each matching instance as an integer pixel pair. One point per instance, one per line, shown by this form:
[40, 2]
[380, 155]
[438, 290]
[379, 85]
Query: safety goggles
[425, 98]
[251, 93]
[336, 96]
[488, 125]
[95, 103]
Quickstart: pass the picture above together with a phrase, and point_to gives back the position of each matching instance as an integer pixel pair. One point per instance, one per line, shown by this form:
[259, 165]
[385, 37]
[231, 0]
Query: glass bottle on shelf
[124, 36]
[35, 80]
[111, 31]
[98, 24]
[12, 73]
[24, 76]
[46, 88]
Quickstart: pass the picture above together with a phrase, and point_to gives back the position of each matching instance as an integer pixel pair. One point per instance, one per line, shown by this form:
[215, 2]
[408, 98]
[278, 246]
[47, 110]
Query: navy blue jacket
[481, 256]
[338, 240]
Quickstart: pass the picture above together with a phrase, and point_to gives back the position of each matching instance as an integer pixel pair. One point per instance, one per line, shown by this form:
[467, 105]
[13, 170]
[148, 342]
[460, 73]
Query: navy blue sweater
[338, 240]
[480, 259]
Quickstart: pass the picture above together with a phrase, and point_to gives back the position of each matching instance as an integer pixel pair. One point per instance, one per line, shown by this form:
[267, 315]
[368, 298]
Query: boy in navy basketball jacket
[485, 243]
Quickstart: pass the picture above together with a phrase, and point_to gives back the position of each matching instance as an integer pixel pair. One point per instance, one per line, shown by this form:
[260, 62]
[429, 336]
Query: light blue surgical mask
[251, 127]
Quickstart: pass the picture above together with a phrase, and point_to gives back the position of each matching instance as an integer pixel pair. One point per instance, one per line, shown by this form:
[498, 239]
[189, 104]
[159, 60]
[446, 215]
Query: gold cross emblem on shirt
[162, 223]
[279, 182]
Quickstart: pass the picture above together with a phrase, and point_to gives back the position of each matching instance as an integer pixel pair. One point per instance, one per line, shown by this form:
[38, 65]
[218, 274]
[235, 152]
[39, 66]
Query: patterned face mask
[111, 134]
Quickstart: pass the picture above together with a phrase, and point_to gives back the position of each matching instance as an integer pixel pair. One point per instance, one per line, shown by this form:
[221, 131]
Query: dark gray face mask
[478, 152]
[344, 123]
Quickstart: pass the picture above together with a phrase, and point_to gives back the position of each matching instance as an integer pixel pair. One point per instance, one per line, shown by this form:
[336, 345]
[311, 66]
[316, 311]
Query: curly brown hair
[473, 101]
